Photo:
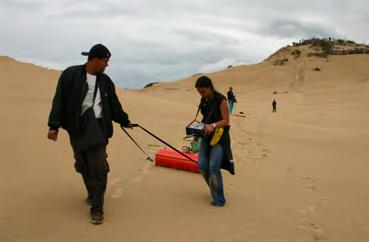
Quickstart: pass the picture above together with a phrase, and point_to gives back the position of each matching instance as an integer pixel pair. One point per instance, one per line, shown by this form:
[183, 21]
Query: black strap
[197, 113]
[198, 110]
[211, 111]
[148, 157]
[156, 137]
[194, 118]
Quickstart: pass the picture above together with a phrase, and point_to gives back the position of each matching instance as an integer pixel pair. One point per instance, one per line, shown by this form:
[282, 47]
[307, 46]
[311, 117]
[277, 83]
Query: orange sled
[172, 159]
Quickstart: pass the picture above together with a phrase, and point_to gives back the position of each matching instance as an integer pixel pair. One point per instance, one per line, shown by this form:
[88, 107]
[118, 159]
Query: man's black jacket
[70, 93]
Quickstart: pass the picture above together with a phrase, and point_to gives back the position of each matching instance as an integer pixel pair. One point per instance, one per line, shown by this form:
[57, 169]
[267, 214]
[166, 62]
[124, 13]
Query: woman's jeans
[210, 159]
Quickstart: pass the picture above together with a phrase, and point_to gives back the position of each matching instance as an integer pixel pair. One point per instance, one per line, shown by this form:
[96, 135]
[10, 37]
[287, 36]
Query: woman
[213, 157]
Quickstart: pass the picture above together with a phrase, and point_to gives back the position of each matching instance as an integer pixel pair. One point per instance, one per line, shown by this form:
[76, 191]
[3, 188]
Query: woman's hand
[208, 129]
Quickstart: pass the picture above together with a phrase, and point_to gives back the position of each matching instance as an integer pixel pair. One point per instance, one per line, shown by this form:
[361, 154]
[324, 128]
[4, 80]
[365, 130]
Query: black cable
[156, 137]
[148, 157]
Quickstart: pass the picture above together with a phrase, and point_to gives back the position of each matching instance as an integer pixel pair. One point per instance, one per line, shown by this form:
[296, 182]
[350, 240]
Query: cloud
[167, 40]
[219, 65]
[289, 28]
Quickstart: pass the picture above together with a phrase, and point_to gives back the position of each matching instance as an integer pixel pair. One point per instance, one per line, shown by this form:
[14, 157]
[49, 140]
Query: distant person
[274, 104]
[85, 103]
[214, 156]
[231, 99]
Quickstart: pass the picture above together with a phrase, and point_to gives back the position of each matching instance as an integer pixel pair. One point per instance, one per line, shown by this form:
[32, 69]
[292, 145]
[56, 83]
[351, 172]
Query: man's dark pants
[93, 166]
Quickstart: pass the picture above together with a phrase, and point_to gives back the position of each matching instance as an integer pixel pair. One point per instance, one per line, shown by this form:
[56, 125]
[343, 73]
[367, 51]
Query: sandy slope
[302, 173]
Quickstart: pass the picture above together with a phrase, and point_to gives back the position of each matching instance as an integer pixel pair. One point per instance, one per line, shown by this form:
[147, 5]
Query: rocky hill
[317, 47]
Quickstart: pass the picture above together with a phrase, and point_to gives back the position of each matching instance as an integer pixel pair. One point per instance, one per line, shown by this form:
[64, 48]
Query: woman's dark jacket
[70, 92]
[210, 109]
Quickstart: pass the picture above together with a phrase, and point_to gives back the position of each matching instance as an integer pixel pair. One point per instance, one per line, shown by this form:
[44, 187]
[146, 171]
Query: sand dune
[302, 173]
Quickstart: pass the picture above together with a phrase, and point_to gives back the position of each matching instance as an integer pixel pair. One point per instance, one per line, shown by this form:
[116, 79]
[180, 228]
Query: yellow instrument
[216, 136]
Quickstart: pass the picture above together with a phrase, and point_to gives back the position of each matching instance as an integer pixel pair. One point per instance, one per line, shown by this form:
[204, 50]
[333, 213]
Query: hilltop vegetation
[322, 47]
[331, 46]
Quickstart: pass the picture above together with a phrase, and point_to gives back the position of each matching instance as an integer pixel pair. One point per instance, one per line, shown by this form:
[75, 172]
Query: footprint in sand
[2, 223]
[310, 183]
[324, 201]
[252, 143]
[314, 229]
[118, 193]
[242, 143]
[257, 154]
[265, 152]
[153, 148]
[113, 182]
[288, 169]
[254, 157]
[237, 158]
[307, 210]
[144, 170]
[137, 179]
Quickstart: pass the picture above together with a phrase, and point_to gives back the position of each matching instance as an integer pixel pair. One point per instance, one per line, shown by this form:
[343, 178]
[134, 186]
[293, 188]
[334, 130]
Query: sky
[156, 41]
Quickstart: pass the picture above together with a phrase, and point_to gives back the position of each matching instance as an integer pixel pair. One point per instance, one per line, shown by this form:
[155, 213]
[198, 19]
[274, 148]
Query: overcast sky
[168, 40]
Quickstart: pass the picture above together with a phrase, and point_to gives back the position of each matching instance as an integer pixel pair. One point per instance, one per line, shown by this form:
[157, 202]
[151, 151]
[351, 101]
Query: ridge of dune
[307, 54]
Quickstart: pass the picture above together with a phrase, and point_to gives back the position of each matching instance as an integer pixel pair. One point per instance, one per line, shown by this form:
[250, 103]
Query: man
[231, 99]
[274, 104]
[81, 90]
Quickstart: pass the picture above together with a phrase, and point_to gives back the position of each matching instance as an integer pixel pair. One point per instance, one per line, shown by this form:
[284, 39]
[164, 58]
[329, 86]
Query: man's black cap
[99, 51]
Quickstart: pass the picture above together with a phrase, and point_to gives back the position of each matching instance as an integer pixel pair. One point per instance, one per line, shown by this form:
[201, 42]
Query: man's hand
[52, 134]
[128, 125]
